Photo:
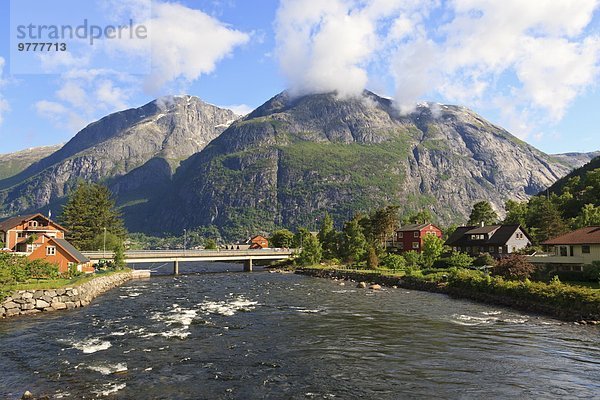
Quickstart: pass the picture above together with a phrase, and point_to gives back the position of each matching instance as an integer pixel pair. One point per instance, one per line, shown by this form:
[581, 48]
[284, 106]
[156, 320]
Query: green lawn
[34, 284]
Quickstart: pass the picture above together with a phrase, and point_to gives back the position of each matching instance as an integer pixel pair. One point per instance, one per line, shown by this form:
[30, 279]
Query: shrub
[372, 259]
[459, 260]
[72, 272]
[484, 259]
[413, 259]
[42, 269]
[591, 272]
[393, 261]
[514, 267]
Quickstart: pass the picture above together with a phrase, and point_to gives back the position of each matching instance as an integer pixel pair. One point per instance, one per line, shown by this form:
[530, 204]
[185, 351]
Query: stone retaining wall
[23, 302]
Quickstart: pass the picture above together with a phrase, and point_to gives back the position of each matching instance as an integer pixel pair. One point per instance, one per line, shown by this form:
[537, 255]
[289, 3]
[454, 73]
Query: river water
[231, 335]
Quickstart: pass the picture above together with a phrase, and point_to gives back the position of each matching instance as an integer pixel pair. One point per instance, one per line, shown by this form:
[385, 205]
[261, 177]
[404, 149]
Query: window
[400, 235]
[468, 249]
[50, 250]
[33, 224]
[492, 249]
[401, 246]
[415, 245]
[585, 249]
[500, 250]
[563, 251]
[416, 234]
[571, 251]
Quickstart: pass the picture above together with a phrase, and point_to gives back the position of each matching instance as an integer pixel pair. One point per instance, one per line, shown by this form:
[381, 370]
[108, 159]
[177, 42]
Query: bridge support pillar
[248, 265]
[176, 267]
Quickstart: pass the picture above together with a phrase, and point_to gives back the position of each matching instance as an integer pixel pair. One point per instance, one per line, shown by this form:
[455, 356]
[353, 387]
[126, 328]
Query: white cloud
[239, 109]
[187, 43]
[324, 46]
[85, 95]
[539, 54]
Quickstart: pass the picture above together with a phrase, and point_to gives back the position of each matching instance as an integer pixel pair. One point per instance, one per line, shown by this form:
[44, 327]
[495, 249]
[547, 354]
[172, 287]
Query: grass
[45, 284]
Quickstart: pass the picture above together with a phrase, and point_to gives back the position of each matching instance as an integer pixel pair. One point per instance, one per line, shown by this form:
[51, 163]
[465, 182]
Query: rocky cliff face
[130, 150]
[292, 159]
[13, 163]
[577, 160]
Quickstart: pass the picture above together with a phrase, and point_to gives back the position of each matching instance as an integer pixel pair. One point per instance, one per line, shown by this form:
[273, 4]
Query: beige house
[575, 248]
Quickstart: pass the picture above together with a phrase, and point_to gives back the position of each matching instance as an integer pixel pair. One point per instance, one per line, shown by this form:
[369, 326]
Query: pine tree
[89, 210]
[328, 238]
[354, 244]
[483, 212]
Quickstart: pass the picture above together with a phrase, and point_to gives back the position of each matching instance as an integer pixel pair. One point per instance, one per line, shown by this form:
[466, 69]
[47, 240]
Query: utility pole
[184, 241]
[104, 245]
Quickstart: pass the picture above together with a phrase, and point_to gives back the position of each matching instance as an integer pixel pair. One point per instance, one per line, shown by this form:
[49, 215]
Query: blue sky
[531, 67]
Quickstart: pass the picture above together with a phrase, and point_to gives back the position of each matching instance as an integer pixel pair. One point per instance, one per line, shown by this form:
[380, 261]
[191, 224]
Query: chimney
[482, 224]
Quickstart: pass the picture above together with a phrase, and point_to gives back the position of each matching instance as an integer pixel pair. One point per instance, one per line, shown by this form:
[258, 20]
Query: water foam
[178, 319]
[107, 369]
[110, 389]
[91, 345]
[228, 308]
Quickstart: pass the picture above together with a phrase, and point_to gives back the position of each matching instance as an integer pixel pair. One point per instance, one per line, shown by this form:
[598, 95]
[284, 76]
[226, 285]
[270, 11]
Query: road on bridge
[175, 256]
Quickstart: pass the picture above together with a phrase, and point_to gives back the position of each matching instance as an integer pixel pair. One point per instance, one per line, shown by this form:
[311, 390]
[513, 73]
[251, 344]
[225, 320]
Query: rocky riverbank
[575, 312]
[25, 302]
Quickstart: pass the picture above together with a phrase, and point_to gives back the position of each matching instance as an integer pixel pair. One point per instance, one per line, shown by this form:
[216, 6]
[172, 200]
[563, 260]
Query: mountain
[13, 163]
[134, 151]
[581, 172]
[292, 159]
[576, 160]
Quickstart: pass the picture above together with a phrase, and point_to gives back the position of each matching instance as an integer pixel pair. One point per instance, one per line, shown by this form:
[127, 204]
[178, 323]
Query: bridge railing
[190, 253]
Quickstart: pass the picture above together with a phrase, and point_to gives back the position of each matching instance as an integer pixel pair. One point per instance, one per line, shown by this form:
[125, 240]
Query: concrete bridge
[175, 256]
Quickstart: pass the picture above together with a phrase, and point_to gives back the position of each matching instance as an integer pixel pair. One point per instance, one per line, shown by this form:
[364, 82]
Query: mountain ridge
[289, 161]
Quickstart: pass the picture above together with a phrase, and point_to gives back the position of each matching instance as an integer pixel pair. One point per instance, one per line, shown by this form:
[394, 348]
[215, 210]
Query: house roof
[412, 227]
[68, 247]
[500, 235]
[587, 235]
[14, 221]
[483, 229]
[10, 223]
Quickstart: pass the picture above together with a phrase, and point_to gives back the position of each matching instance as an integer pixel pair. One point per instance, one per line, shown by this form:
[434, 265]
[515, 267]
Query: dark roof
[501, 234]
[10, 223]
[412, 227]
[458, 234]
[68, 247]
[587, 235]
[482, 230]
[14, 221]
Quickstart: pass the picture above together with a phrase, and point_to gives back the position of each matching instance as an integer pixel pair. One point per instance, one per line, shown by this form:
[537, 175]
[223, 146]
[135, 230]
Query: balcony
[552, 258]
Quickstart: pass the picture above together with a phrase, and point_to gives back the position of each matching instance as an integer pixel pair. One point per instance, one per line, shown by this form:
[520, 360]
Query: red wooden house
[16, 231]
[259, 242]
[410, 237]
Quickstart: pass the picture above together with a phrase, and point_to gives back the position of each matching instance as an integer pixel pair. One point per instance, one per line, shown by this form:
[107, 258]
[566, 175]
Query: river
[231, 335]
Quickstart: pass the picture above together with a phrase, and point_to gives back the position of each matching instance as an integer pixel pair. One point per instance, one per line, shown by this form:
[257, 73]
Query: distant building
[15, 232]
[61, 253]
[497, 240]
[410, 237]
[259, 242]
[255, 242]
[576, 248]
